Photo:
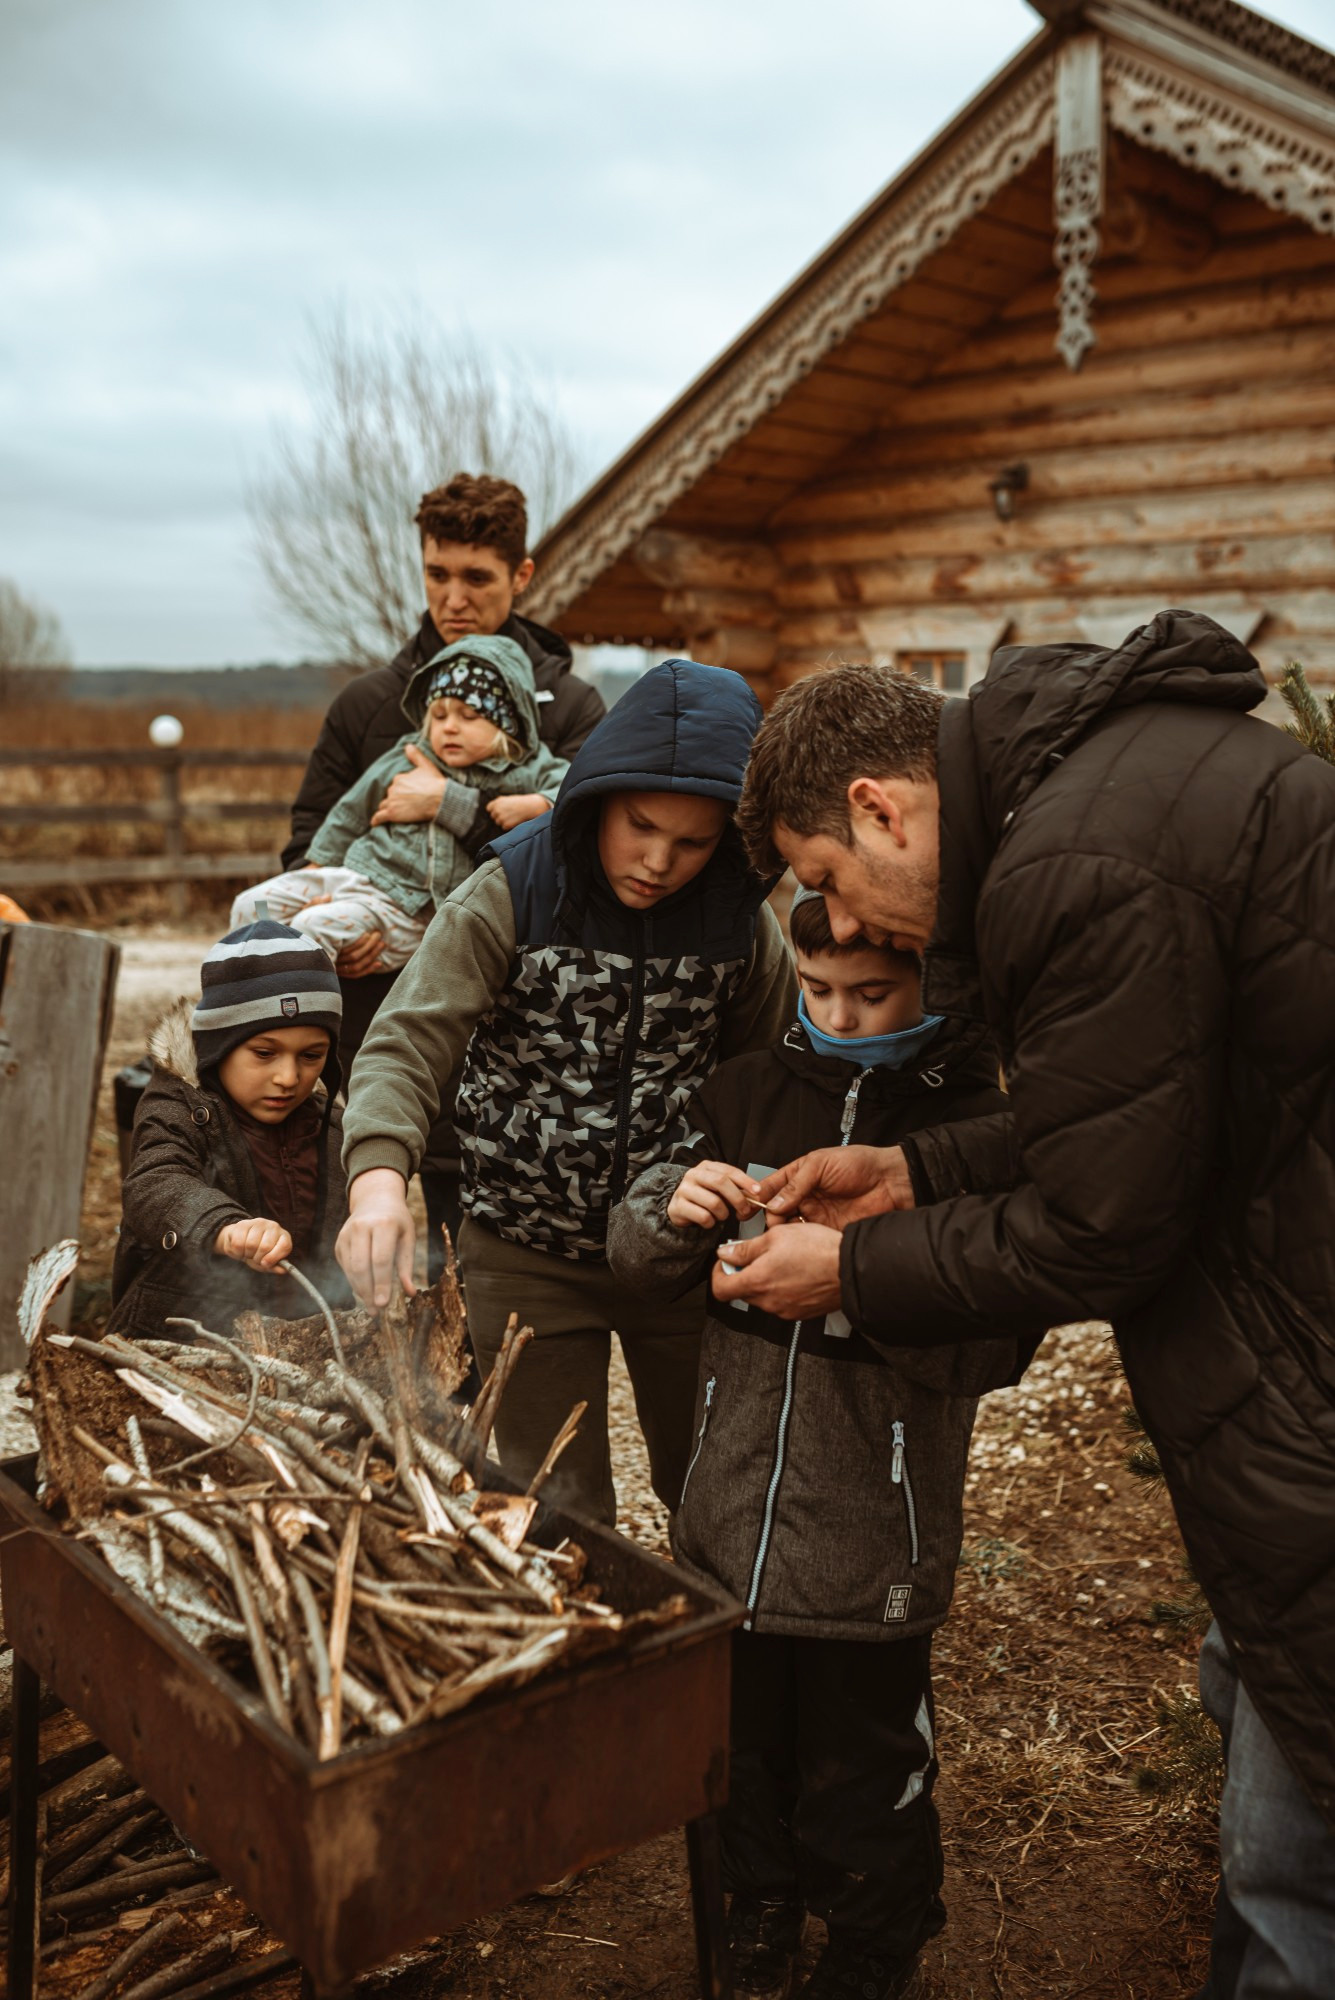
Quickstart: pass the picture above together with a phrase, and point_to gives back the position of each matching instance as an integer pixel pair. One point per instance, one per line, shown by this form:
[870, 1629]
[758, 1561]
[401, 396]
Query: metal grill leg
[704, 1858]
[23, 1833]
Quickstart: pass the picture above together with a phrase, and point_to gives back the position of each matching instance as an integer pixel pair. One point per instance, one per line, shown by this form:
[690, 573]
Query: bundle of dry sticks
[302, 1501]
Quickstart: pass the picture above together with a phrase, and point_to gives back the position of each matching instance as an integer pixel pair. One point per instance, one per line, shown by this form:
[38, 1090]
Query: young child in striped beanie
[235, 1156]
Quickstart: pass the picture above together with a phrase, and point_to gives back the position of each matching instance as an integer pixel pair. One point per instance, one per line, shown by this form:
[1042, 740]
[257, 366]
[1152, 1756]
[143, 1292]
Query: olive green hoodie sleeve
[766, 1002]
[416, 1042]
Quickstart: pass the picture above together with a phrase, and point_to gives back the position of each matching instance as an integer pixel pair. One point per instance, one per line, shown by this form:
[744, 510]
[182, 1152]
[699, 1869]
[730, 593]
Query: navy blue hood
[684, 727]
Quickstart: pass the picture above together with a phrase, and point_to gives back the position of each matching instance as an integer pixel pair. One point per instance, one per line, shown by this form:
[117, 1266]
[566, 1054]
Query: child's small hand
[257, 1241]
[712, 1192]
[513, 808]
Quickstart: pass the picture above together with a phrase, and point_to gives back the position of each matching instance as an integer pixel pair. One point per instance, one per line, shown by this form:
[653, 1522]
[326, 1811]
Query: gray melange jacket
[826, 1486]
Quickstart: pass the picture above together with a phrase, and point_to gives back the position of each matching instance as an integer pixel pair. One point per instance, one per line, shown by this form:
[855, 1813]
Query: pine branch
[1313, 723]
[1190, 1763]
[1140, 1457]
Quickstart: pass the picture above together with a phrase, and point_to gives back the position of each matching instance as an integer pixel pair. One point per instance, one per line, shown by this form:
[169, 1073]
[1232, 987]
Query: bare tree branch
[34, 652]
[393, 412]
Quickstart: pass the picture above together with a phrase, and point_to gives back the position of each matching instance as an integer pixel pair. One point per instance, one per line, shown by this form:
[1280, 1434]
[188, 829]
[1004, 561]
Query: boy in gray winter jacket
[476, 715]
[825, 1490]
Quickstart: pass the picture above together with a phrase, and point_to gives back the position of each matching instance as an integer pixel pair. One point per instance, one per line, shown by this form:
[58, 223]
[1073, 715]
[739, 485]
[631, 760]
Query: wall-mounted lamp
[1011, 479]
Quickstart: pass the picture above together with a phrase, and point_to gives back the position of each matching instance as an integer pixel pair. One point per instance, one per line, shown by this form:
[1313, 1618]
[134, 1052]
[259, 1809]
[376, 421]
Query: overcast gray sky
[611, 190]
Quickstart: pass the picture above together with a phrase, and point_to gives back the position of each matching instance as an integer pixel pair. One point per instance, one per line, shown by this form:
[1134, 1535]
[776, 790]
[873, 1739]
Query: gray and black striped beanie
[264, 975]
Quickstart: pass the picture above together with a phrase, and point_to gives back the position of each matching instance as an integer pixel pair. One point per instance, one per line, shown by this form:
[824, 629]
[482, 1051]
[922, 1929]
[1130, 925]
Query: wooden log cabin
[1075, 363]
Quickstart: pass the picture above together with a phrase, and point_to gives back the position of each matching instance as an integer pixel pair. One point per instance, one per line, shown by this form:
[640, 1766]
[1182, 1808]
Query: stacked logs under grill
[303, 1502]
[116, 1874]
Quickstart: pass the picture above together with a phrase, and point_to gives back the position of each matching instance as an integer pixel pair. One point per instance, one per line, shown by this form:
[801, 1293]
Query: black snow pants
[830, 1799]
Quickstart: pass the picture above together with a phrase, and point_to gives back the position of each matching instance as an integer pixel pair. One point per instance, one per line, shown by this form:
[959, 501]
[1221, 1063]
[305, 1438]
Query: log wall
[1190, 461]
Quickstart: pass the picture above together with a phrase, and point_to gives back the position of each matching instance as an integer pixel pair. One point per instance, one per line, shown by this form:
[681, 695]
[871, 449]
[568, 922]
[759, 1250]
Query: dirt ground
[1065, 1880]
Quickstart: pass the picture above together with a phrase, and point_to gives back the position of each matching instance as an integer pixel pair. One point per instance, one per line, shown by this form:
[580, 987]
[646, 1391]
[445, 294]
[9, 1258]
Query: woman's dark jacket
[190, 1174]
[826, 1486]
[1138, 893]
[365, 719]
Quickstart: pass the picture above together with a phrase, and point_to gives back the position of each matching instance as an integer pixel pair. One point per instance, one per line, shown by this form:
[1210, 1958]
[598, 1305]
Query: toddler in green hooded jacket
[366, 870]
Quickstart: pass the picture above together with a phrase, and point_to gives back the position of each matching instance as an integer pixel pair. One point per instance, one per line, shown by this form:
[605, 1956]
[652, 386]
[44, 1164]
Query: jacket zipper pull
[850, 1110]
[837, 1324]
[899, 1473]
[710, 1386]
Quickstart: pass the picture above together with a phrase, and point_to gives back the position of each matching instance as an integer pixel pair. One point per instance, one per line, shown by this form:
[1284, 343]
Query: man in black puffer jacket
[1133, 882]
[475, 563]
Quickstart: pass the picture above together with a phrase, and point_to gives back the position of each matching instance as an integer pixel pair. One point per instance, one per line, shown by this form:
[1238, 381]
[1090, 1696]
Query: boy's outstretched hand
[375, 1245]
[710, 1193]
[256, 1241]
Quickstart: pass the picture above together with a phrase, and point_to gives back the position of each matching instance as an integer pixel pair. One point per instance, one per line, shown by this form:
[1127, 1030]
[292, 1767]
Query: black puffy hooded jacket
[1138, 893]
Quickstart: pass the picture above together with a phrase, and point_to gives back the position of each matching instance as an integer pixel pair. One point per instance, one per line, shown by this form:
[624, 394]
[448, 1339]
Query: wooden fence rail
[169, 810]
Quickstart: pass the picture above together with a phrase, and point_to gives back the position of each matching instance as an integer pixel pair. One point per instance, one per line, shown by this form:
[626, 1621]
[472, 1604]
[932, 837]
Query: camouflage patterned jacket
[588, 1027]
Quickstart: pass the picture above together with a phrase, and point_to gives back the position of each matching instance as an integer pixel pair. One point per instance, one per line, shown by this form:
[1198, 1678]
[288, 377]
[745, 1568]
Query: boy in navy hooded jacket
[589, 976]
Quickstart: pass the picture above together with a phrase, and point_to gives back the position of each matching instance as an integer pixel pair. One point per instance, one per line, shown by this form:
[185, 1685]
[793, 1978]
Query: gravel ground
[640, 1513]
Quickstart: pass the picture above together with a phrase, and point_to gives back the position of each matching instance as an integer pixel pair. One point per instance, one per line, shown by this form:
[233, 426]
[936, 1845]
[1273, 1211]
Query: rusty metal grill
[351, 1860]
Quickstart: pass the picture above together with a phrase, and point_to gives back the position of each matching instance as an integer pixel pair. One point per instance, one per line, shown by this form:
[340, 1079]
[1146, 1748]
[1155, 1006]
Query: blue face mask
[870, 1051]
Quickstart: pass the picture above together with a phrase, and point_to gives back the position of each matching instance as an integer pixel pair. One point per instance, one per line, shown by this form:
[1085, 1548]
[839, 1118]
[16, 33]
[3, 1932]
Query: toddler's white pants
[335, 906]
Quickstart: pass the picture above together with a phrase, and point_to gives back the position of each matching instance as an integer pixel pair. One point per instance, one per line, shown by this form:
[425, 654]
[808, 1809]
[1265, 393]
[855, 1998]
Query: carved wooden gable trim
[1256, 36]
[1077, 190]
[975, 167]
[1230, 138]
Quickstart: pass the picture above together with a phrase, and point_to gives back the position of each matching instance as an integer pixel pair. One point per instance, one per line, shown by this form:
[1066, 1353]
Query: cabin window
[948, 671]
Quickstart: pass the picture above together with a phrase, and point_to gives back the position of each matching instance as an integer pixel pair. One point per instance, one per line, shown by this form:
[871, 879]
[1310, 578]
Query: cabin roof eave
[1140, 26]
[1229, 44]
[554, 587]
[1249, 110]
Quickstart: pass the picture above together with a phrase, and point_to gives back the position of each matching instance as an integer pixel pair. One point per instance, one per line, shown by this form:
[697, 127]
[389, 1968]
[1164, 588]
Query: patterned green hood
[507, 660]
